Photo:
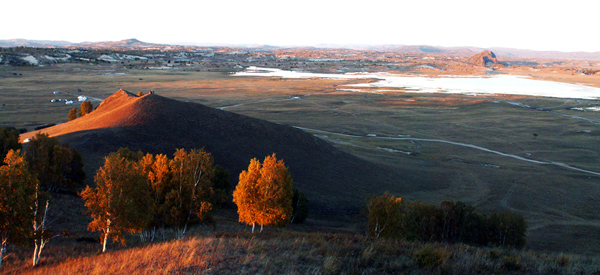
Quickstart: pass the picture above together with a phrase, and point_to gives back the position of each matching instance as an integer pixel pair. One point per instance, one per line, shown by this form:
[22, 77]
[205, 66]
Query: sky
[524, 24]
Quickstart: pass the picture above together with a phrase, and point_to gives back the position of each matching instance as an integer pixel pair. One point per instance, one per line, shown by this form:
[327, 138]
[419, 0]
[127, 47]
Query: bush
[431, 257]
[299, 207]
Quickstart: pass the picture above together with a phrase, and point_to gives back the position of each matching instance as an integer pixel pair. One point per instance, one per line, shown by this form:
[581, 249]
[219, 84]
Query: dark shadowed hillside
[335, 181]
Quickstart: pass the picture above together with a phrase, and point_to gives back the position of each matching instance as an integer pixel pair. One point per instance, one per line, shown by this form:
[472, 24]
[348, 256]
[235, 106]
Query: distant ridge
[335, 182]
[33, 43]
[127, 43]
[465, 51]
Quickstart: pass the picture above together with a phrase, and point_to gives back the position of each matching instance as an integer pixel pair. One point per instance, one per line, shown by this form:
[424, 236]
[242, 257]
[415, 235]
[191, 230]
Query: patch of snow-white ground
[107, 58]
[131, 57]
[58, 59]
[32, 60]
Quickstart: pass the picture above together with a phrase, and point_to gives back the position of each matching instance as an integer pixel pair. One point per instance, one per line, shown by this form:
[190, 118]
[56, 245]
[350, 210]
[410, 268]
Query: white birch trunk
[2, 249]
[148, 235]
[35, 253]
[40, 242]
[253, 224]
[181, 232]
[35, 225]
[106, 236]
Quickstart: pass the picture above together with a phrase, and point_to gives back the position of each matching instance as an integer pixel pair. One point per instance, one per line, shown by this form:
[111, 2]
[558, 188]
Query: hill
[335, 182]
[484, 58]
[122, 44]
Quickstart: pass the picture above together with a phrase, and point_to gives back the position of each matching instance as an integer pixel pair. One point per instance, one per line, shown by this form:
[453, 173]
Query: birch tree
[119, 202]
[41, 234]
[246, 194]
[384, 216]
[17, 188]
[9, 139]
[190, 192]
[264, 194]
[158, 181]
[57, 167]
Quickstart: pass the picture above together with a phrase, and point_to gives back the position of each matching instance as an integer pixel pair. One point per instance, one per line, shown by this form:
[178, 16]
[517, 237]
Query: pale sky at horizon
[536, 25]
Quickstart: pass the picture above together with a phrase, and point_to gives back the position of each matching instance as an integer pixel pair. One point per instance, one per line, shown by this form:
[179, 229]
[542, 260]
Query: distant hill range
[127, 43]
[33, 43]
[335, 182]
[408, 49]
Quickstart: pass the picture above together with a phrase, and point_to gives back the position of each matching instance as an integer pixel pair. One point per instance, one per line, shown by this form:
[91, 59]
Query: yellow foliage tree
[119, 203]
[264, 193]
[191, 191]
[158, 176]
[17, 198]
[385, 215]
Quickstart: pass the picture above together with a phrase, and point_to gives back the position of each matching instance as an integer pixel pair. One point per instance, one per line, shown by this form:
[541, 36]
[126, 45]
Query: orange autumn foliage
[264, 193]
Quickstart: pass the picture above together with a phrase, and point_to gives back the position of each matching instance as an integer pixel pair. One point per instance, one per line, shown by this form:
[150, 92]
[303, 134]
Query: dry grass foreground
[316, 253]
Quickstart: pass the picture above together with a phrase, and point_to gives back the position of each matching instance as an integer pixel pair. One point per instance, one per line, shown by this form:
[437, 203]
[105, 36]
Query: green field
[487, 151]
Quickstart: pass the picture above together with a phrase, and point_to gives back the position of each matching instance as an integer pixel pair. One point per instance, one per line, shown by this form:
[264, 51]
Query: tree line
[138, 193]
[134, 192]
[451, 222]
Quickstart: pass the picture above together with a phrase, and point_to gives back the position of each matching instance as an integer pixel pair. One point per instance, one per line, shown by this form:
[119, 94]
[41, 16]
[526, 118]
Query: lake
[496, 84]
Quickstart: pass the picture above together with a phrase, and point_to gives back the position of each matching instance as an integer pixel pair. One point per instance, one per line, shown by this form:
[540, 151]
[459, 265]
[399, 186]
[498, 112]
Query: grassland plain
[395, 128]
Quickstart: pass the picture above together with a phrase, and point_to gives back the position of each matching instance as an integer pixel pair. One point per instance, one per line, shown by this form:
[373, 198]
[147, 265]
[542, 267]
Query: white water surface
[497, 84]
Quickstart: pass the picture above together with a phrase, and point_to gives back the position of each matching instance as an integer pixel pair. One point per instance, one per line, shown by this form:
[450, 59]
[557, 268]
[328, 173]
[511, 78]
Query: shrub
[431, 257]
[299, 207]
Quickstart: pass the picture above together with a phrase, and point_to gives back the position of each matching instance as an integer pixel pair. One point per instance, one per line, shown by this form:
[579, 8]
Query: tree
[389, 217]
[119, 203]
[221, 185]
[507, 229]
[158, 181]
[85, 108]
[264, 193]
[246, 194]
[41, 235]
[189, 197]
[299, 207]
[17, 189]
[140, 94]
[73, 114]
[384, 216]
[9, 139]
[57, 167]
